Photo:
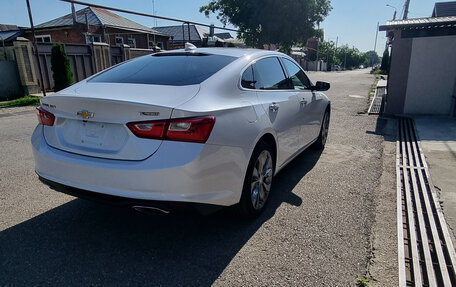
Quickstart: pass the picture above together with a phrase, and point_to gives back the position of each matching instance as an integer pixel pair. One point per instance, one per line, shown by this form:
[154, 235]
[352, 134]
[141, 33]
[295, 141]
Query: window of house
[270, 75]
[132, 42]
[43, 38]
[298, 78]
[119, 41]
[93, 38]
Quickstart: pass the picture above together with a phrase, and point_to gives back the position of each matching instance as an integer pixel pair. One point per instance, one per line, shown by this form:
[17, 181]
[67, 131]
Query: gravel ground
[315, 232]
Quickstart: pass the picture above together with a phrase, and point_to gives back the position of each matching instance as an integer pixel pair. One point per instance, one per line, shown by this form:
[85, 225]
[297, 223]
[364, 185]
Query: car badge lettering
[150, 114]
[85, 114]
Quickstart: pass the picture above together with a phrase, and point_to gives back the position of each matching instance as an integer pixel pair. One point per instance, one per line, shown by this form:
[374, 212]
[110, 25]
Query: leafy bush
[385, 62]
[60, 66]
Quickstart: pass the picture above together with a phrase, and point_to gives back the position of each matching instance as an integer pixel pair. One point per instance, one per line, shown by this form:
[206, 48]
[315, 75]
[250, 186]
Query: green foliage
[285, 22]
[60, 66]
[327, 53]
[372, 59]
[25, 101]
[344, 56]
[362, 282]
[385, 62]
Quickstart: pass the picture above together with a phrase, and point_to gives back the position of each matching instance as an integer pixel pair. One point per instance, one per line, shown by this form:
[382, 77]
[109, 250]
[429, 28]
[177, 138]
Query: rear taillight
[45, 117]
[190, 130]
[150, 130]
[187, 129]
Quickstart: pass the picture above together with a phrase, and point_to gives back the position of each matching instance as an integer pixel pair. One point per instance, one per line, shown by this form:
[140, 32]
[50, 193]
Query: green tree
[60, 66]
[284, 22]
[385, 62]
[327, 53]
[372, 58]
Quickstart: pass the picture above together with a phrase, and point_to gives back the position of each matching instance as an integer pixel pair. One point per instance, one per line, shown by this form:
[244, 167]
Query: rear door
[280, 104]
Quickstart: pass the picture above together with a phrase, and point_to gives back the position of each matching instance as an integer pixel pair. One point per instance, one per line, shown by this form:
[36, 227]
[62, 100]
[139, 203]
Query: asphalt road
[315, 232]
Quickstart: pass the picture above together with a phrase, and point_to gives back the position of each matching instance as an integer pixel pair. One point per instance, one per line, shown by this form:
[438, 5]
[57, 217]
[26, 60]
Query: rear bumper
[177, 172]
[164, 206]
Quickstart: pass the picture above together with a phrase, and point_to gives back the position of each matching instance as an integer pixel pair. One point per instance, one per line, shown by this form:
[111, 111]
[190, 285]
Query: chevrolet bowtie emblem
[85, 114]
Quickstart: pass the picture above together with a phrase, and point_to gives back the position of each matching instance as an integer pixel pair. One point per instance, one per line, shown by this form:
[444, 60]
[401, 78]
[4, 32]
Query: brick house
[98, 25]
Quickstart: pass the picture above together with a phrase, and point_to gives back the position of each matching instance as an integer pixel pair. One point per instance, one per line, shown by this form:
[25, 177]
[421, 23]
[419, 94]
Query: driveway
[316, 230]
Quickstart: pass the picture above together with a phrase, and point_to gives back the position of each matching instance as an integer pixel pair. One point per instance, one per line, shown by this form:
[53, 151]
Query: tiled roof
[97, 17]
[196, 33]
[424, 23]
[9, 35]
[224, 35]
[443, 9]
[7, 27]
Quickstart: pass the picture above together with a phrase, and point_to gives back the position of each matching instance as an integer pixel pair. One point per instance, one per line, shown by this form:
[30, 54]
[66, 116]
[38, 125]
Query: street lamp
[395, 11]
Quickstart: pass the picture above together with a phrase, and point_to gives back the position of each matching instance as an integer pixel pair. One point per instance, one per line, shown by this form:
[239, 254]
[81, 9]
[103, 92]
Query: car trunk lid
[91, 118]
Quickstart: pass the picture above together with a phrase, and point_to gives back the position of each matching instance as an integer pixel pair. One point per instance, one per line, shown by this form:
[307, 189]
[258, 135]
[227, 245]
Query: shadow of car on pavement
[83, 243]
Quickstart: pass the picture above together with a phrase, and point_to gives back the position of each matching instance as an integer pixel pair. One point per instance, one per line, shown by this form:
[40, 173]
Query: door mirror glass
[321, 86]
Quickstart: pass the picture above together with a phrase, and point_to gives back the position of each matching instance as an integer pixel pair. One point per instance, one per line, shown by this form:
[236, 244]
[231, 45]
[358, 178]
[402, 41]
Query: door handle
[274, 107]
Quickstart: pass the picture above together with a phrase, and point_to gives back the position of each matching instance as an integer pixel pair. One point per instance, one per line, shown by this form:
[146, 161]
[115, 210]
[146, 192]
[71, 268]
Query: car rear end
[115, 137]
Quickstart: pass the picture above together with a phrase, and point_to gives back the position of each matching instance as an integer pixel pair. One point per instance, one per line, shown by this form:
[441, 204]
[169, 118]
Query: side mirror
[320, 86]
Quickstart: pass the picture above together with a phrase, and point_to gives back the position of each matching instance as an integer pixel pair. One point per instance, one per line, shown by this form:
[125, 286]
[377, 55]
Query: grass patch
[362, 282]
[24, 101]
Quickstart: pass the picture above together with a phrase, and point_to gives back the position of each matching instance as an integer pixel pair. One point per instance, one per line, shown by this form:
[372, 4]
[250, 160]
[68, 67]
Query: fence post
[26, 66]
[101, 56]
[125, 52]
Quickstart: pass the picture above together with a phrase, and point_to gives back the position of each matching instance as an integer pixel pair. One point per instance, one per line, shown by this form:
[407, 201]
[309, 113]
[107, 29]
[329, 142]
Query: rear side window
[297, 76]
[248, 80]
[270, 75]
[178, 69]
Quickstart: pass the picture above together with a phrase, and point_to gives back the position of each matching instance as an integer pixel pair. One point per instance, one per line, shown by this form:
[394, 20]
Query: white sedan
[203, 127]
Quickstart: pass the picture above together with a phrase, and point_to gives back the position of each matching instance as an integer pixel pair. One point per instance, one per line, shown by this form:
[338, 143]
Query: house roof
[443, 9]
[9, 35]
[196, 33]
[98, 17]
[420, 23]
[9, 32]
[224, 35]
[7, 27]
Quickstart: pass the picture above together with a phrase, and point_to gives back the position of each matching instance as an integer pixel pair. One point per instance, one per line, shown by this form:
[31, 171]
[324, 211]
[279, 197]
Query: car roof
[233, 52]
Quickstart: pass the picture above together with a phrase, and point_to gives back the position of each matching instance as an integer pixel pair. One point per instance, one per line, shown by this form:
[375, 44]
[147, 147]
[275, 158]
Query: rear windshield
[178, 69]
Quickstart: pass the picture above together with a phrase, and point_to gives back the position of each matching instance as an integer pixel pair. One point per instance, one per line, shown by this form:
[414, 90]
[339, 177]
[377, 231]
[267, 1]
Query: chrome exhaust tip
[150, 209]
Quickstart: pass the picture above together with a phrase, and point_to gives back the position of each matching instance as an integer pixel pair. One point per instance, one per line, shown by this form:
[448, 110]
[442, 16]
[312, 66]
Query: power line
[148, 15]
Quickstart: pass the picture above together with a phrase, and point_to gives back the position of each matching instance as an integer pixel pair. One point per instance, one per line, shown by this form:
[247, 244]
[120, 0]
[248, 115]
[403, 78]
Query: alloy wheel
[261, 180]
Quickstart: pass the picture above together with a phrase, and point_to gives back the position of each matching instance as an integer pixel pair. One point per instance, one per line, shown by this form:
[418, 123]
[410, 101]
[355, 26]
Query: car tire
[258, 182]
[323, 136]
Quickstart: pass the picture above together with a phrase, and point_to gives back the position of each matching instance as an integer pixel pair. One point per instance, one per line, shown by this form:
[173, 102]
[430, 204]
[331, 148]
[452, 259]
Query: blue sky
[354, 22]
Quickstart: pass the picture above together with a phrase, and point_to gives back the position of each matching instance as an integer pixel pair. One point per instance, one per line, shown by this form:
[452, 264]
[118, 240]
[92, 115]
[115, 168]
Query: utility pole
[375, 46]
[406, 8]
[376, 35]
[345, 60]
[36, 47]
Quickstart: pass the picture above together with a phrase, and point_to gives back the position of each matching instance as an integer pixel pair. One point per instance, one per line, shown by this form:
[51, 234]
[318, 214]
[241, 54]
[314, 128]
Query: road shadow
[83, 243]
[385, 127]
